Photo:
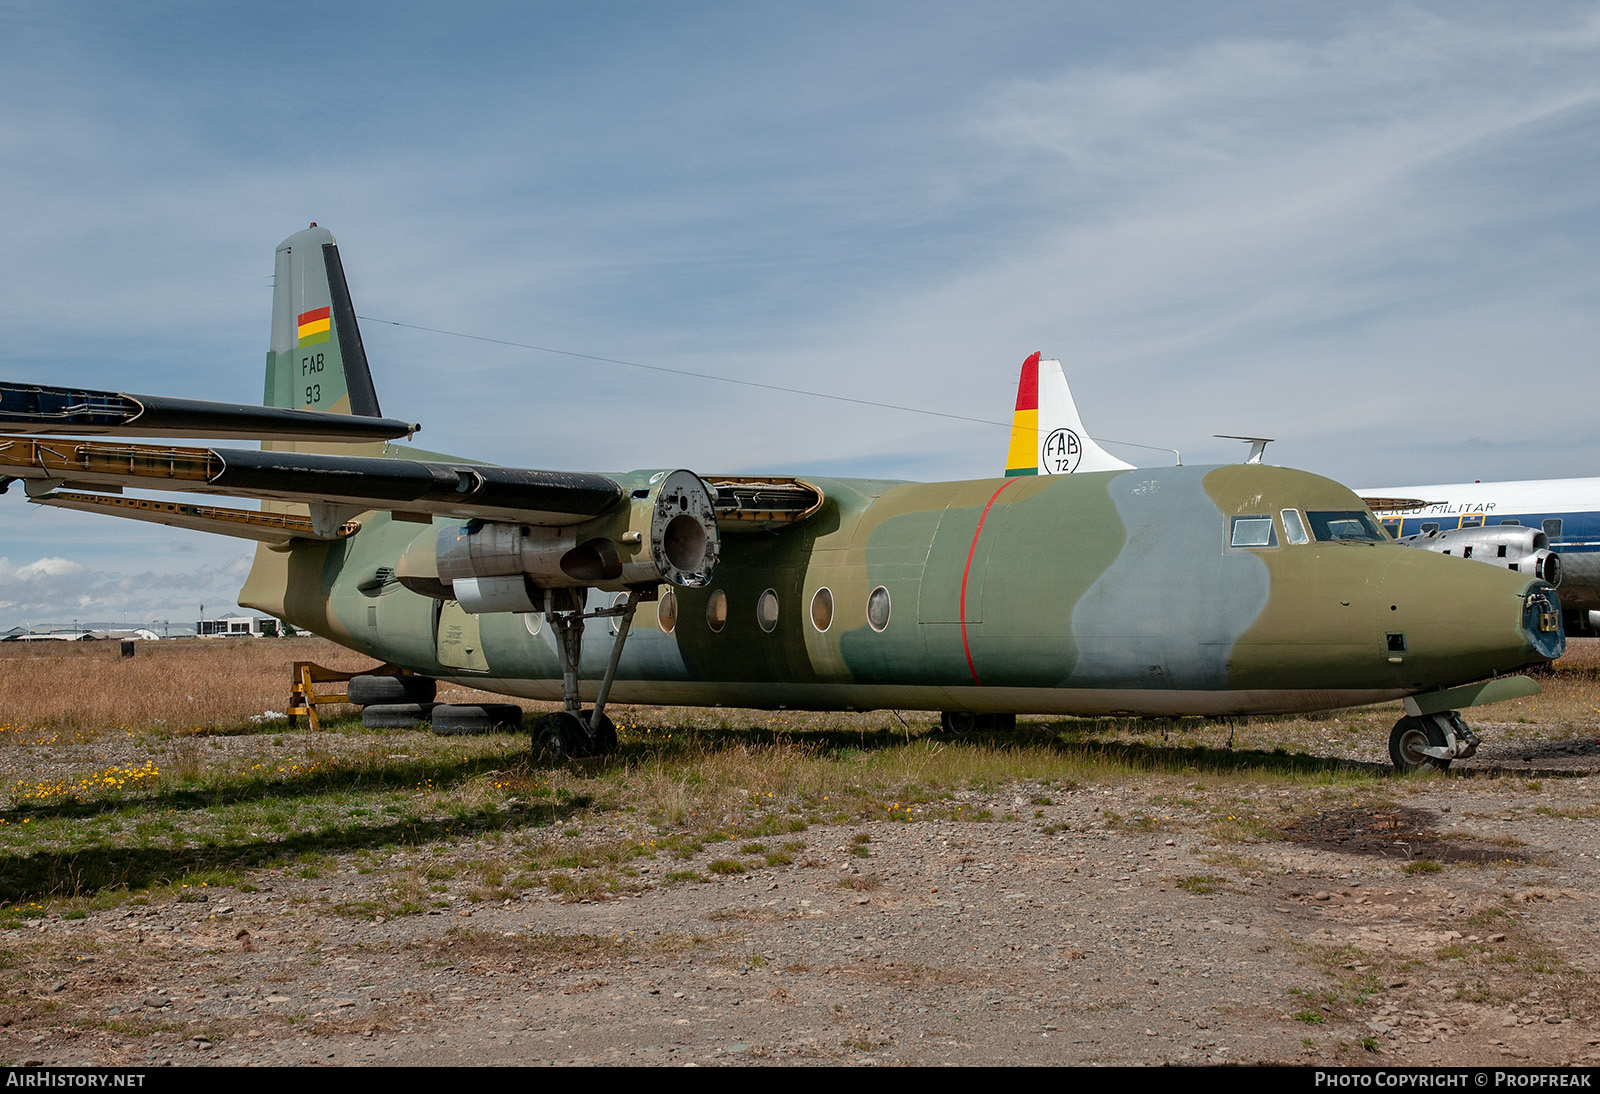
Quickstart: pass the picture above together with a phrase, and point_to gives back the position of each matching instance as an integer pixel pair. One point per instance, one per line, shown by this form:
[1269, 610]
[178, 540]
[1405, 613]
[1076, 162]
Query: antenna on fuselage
[1258, 445]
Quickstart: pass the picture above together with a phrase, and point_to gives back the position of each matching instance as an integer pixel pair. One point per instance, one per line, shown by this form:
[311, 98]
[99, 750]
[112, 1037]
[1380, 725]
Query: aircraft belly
[1071, 702]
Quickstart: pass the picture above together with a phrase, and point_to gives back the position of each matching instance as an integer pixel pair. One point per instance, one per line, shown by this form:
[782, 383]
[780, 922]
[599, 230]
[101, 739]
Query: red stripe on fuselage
[972, 550]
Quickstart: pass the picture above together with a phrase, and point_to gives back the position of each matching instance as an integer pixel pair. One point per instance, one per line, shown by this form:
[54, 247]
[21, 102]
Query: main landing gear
[1430, 739]
[961, 722]
[570, 732]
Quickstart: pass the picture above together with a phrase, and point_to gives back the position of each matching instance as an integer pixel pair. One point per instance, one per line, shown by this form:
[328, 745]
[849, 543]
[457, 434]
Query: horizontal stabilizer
[329, 483]
[271, 528]
[42, 410]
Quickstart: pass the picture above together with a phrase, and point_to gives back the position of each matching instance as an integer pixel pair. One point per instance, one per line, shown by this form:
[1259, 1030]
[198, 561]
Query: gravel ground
[1123, 924]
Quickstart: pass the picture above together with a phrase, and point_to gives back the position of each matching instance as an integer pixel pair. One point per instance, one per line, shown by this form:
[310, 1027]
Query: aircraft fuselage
[1088, 594]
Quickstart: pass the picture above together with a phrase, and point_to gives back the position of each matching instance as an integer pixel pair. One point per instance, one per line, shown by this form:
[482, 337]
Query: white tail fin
[1047, 436]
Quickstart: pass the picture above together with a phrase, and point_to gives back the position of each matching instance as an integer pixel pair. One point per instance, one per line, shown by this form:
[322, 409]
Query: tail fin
[316, 360]
[1047, 436]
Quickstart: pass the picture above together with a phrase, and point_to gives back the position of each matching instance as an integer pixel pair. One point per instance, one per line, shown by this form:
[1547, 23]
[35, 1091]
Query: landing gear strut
[1433, 739]
[570, 733]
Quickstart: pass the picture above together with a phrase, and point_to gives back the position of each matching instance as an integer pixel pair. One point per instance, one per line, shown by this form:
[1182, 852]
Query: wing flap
[42, 410]
[270, 528]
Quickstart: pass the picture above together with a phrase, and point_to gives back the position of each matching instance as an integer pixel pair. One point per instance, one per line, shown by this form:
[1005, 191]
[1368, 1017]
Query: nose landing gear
[1435, 739]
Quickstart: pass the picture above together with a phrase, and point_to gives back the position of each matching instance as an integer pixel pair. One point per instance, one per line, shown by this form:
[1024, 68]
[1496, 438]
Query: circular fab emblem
[1060, 453]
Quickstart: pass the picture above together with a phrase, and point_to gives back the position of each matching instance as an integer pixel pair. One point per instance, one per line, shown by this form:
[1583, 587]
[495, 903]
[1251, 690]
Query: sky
[1368, 230]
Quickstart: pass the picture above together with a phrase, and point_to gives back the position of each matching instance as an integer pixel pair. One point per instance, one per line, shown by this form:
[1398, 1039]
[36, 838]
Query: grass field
[171, 769]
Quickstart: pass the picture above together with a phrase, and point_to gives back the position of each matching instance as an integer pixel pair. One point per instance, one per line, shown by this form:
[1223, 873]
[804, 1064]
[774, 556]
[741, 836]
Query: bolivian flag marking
[314, 326]
[1023, 456]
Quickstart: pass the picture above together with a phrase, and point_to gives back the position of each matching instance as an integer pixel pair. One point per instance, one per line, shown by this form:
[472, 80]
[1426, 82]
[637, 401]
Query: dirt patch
[1398, 832]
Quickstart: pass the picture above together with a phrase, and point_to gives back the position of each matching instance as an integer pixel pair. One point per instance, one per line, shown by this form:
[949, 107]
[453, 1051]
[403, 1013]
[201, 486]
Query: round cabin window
[767, 610]
[717, 611]
[878, 608]
[822, 608]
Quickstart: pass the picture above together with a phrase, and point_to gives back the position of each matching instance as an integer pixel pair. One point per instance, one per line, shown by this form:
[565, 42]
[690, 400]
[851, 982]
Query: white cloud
[39, 570]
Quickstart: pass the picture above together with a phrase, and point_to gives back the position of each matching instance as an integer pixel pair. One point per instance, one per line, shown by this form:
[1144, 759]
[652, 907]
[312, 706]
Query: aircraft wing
[335, 487]
[42, 410]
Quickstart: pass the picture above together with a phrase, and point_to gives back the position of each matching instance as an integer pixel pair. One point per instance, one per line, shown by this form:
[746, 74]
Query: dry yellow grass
[88, 687]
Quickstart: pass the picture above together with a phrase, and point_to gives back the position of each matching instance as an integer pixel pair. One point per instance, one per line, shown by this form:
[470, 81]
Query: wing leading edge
[337, 487]
[42, 410]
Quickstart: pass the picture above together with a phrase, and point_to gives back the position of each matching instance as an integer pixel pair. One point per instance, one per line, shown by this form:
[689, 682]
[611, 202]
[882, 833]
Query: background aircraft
[1172, 591]
[1512, 524]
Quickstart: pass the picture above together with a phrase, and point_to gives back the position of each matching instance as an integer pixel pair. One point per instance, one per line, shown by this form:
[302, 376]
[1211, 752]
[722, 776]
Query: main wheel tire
[560, 737]
[605, 737]
[1408, 738]
[461, 718]
[369, 690]
[958, 722]
[396, 715]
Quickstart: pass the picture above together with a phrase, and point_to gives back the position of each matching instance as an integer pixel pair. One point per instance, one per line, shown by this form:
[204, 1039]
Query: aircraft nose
[1444, 620]
[1541, 620]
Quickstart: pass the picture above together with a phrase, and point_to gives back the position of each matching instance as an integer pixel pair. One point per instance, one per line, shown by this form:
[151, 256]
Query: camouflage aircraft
[1176, 591]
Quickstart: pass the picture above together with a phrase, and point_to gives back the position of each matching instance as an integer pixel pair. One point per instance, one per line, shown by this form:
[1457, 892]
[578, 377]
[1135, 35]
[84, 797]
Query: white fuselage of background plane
[1567, 510]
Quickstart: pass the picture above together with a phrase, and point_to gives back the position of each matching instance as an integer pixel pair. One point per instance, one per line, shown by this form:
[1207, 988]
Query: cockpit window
[1253, 532]
[1292, 526]
[1347, 524]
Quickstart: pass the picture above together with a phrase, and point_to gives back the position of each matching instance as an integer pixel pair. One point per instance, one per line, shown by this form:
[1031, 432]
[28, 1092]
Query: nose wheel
[1430, 739]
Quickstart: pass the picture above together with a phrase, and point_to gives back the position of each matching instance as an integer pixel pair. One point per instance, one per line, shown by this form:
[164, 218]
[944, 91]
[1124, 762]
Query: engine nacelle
[1525, 550]
[666, 532]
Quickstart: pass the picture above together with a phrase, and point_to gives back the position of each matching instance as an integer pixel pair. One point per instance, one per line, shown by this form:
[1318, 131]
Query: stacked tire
[394, 702]
[463, 718]
[401, 702]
